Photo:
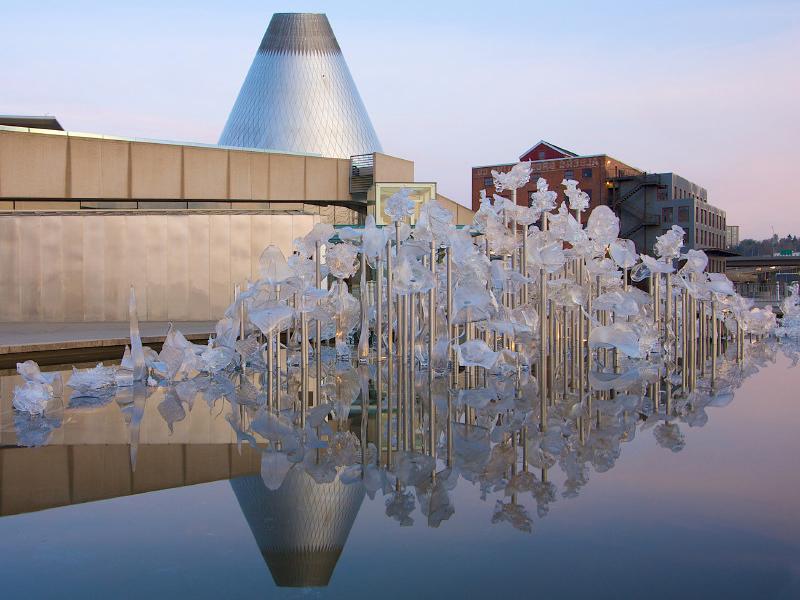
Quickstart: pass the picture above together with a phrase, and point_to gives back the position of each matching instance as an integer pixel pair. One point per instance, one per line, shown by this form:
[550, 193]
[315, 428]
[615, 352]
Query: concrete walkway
[17, 338]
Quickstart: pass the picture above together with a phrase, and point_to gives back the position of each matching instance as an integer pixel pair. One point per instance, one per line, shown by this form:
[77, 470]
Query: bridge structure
[765, 279]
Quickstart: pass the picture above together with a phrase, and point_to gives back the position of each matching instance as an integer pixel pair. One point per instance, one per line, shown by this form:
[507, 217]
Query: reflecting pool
[654, 488]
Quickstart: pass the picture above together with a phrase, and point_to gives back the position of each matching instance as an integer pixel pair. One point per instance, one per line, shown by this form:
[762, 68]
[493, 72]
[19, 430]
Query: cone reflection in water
[300, 528]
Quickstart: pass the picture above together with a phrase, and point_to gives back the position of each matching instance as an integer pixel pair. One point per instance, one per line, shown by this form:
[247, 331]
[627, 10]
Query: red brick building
[593, 172]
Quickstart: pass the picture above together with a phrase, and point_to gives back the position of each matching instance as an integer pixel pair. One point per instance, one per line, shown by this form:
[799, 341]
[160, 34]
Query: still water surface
[717, 516]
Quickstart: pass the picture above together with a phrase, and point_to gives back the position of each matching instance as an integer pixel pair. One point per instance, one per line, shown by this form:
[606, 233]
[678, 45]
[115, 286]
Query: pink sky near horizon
[706, 90]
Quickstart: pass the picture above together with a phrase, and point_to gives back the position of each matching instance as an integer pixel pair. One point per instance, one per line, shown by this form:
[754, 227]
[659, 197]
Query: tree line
[768, 246]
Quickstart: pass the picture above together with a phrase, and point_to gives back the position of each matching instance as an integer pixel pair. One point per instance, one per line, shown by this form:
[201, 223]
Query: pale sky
[706, 89]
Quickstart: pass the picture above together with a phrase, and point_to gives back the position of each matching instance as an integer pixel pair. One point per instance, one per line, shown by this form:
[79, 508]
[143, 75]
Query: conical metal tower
[299, 95]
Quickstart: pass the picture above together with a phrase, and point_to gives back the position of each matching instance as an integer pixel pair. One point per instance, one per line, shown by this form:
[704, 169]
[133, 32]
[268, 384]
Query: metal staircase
[362, 174]
[626, 203]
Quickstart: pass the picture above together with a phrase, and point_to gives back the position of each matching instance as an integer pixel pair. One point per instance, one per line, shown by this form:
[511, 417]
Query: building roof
[569, 153]
[34, 121]
[83, 134]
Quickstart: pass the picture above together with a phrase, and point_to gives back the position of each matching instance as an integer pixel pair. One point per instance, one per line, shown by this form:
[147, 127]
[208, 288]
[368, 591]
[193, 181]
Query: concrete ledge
[21, 338]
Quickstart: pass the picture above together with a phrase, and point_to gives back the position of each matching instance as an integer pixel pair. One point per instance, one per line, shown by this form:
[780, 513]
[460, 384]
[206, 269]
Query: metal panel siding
[72, 267]
[199, 268]
[10, 307]
[52, 296]
[30, 273]
[177, 261]
[80, 266]
[301, 224]
[115, 280]
[260, 232]
[240, 249]
[221, 290]
[136, 261]
[93, 268]
[282, 233]
[156, 268]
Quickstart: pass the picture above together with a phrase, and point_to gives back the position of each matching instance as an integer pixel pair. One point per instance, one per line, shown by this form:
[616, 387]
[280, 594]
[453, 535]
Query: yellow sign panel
[420, 193]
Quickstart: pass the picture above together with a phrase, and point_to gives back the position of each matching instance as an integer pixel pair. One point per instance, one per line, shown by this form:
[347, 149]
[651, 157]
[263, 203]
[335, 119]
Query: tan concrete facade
[83, 217]
[58, 166]
[389, 168]
[461, 214]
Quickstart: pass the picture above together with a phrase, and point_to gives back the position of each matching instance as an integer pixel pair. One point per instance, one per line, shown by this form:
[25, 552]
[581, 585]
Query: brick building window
[488, 181]
[683, 214]
[666, 214]
[587, 173]
[569, 174]
[542, 154]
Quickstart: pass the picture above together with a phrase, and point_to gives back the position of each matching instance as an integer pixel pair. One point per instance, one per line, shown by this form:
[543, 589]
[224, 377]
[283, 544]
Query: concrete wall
[389, 169]
[57, 165]
[79, 266]
[183, 222]
[461, 214]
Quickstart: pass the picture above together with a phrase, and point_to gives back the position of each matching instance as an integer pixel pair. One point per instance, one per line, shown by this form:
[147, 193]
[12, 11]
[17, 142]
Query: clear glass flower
[603, 225]
[399, 205]
[342, 260]
[514, 179]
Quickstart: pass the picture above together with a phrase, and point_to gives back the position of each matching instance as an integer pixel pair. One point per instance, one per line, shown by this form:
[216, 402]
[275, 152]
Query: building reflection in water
[300, 484]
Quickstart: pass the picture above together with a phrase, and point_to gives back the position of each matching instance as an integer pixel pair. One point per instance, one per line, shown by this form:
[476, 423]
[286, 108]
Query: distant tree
[750, 247]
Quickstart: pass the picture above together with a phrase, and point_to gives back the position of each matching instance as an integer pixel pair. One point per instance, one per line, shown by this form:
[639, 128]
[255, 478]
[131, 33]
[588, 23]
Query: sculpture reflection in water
[495, 354]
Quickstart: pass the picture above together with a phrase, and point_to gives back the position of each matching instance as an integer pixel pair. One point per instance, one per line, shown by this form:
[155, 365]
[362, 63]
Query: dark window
[542, 154]
[488, 181]
[587, 174]
[683, 214]
[569, 174]
[666, 214]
